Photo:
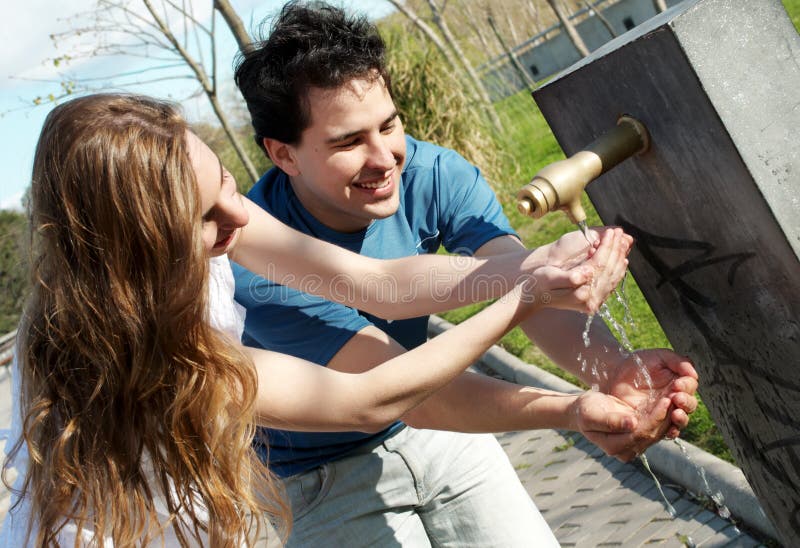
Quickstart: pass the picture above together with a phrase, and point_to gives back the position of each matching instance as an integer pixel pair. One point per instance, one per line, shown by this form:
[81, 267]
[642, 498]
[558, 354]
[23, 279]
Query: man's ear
[282, 155]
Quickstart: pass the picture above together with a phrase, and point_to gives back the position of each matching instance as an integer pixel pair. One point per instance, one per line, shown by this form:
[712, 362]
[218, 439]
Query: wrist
[535, 258]
[572, 413]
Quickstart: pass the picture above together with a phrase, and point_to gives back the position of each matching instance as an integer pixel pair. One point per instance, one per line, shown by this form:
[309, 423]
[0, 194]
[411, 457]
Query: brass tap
[559, 185]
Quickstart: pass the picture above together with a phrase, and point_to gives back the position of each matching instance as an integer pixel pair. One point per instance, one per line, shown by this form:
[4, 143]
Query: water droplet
[589, 320]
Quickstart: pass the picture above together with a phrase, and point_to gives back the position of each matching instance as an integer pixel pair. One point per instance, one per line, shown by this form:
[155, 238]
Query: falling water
[605, 313]
[585, 229]
[589, 320]
[670, 508]
[716, 498]
[622, 299]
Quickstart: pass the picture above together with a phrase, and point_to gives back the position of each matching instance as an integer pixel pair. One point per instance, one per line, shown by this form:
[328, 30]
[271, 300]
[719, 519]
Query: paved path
[587, 498]
[590, 499]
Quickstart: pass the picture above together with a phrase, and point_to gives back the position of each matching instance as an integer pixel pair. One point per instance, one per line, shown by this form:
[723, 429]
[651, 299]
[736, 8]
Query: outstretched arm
[325, 399]
[419, 285]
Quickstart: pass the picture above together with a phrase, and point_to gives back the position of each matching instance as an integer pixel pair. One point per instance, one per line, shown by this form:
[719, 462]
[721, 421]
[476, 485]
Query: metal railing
[7, 347]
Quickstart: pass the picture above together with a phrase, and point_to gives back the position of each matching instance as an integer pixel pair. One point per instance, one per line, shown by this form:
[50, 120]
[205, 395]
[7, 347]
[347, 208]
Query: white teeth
[379, 184]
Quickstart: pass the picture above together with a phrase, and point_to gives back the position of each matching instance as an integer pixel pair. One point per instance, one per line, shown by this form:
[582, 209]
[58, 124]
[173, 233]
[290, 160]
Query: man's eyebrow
[346, 136]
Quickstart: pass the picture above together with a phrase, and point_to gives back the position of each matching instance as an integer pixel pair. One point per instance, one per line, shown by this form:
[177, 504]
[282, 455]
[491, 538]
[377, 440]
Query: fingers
[617, 423]
[686, 385]
[682, 366]
[599, 412]
[610, 265]
[658, 413]
[595, 276]
[684, 401]
[679, 419]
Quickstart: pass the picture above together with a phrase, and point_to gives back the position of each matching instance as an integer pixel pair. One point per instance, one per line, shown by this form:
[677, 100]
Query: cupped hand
[606, 421]
[644, 378]
[573, 247]
[584, 281]
[620, 430]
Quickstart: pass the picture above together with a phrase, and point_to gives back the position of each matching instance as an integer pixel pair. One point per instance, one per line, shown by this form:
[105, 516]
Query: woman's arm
[390, 289]
[299, 395]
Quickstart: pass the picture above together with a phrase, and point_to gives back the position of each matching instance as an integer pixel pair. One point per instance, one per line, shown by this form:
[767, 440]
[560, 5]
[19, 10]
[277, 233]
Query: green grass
[793, 9]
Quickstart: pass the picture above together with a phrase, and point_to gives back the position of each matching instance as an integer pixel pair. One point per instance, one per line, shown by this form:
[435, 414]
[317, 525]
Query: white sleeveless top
[224, 314]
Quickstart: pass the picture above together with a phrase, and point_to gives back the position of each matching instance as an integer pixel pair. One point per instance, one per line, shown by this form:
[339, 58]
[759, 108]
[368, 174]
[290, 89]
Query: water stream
[670, 509]
[716, 498]
[598, 369]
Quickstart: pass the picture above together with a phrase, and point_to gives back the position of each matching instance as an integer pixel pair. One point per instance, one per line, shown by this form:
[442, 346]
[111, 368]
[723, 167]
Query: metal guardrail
[7, 342]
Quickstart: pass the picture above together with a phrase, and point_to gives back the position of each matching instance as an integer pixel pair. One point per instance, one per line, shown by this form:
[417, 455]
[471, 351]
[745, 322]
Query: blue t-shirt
[444, 200]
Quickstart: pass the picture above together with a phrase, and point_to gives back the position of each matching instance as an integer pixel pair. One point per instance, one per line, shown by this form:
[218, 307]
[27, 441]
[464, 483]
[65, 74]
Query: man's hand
[660, 385]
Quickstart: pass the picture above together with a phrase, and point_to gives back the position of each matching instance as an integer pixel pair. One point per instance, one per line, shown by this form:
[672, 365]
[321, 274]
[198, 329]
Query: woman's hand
[582, 280]
[573, 247]
[606, 421]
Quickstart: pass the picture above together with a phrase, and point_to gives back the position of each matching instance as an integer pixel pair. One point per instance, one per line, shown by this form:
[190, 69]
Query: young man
[321, 105]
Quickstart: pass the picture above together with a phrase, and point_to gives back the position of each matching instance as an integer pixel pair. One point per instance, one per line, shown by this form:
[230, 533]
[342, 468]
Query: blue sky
[27, 71]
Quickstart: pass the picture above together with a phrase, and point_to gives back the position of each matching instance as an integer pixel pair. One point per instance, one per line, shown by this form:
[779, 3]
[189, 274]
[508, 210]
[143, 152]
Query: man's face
[347, 165]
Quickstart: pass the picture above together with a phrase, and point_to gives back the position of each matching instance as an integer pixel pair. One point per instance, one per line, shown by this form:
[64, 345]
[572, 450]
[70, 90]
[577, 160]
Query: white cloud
[26, 28]
[13, 202]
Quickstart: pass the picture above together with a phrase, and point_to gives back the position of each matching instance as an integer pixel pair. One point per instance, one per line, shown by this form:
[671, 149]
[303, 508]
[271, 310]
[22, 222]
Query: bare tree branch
[569, 28]
[234, 23]
[454, 56]
[526, 78]
[599, 14]
[210, 91]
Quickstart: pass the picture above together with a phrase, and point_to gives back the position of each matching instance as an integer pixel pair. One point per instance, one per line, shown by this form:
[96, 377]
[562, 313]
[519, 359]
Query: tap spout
[559, 185]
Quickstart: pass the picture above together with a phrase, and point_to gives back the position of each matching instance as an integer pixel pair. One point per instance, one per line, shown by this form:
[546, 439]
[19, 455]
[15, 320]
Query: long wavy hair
[128, 395]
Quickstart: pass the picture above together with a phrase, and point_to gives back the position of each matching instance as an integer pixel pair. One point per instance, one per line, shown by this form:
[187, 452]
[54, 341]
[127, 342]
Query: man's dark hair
[309, 45]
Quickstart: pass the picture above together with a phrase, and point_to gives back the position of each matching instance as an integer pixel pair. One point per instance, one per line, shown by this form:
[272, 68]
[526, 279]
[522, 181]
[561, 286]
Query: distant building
[551, 51]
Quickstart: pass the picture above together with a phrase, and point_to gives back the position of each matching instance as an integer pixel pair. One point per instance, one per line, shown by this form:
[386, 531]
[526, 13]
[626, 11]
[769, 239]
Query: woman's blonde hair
[127, 392]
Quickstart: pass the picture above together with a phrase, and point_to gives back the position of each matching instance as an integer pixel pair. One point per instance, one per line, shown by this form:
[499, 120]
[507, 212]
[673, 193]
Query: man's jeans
[418, 488]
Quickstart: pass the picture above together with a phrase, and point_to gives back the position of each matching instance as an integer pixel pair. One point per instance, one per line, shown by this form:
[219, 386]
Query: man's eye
[388, 129]
[347, 144]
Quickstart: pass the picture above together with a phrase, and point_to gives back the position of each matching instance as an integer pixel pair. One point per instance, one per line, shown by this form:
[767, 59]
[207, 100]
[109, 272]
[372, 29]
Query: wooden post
[714, 206]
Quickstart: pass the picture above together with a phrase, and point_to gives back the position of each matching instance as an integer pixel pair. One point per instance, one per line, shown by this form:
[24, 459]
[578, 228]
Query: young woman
[135, 415]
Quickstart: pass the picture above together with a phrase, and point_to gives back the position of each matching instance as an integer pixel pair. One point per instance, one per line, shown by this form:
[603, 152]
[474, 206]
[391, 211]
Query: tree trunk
[234, 23]
[473, 76]
[472, 21]
[512, 28]
[660, 5]
[209, 89]
[569, 28]
[599, 15]
[526, 78]
[477, 86]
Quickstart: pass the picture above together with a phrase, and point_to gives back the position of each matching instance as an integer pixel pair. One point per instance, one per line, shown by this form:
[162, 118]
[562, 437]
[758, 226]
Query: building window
[628, 22]
[534, 70]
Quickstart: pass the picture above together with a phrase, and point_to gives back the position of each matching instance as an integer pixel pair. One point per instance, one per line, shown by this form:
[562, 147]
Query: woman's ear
[282, 155]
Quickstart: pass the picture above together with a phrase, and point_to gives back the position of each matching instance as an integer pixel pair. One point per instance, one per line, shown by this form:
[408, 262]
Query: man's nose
[380, 154]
